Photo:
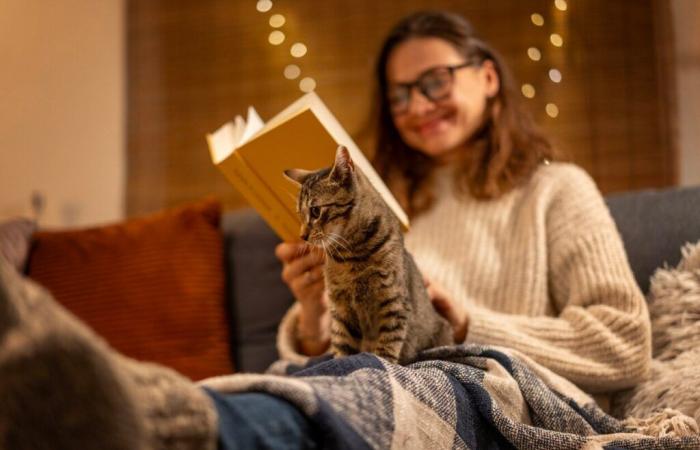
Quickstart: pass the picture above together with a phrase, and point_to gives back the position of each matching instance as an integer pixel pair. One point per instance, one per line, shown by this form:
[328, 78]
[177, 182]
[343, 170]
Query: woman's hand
[302, 271]
[455, 314]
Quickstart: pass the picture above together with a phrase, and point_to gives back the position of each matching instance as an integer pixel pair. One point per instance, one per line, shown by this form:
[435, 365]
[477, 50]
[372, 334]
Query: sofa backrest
[653, 224]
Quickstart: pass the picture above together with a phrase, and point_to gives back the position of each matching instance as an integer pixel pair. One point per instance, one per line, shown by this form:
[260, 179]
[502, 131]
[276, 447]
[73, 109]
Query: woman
[516, 251]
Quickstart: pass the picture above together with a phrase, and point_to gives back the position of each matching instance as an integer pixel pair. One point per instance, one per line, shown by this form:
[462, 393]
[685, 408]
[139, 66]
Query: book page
[222, 142]
[252, 126]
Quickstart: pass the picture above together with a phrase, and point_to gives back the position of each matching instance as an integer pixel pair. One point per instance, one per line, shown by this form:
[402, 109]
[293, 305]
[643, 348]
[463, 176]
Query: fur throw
[674, 307]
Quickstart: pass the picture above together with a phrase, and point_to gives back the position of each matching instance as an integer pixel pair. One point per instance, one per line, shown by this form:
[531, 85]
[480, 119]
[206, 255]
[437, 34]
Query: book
[253, 155]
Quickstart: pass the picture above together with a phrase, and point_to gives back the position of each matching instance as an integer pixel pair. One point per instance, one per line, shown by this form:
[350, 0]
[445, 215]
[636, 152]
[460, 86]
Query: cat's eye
[314, 212]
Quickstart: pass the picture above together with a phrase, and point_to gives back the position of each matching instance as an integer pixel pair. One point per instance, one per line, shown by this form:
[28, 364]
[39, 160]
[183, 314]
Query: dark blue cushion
[257, 296]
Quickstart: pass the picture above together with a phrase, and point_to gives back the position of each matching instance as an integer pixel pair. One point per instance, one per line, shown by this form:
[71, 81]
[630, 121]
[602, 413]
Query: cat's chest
[358, 288]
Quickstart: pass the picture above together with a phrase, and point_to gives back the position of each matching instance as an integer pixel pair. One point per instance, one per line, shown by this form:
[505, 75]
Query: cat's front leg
[345, 333]
[391, 340]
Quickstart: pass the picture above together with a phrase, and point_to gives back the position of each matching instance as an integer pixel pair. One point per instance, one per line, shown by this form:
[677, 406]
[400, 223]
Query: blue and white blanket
[458, 397]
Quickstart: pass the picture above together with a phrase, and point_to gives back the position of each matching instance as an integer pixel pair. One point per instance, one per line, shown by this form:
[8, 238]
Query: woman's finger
[301, 265]
[289, 251]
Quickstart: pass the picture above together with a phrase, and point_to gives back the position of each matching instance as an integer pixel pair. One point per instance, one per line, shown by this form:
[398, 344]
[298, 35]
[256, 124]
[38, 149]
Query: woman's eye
[315, 212]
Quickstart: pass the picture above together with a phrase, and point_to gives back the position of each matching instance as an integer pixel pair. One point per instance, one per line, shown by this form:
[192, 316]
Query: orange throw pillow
[153, 287]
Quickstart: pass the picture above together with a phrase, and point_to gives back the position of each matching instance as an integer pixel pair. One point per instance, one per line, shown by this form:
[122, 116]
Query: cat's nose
[304, 234]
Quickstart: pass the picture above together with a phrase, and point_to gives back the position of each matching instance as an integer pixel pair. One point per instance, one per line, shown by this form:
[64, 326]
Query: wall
[62, 109]
[686, 17]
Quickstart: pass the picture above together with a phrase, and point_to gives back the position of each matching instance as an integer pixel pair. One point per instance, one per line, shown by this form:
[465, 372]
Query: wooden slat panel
[194, 65]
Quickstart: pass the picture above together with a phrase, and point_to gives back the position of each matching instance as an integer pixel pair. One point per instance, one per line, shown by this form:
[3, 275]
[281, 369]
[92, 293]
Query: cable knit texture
[542, 270]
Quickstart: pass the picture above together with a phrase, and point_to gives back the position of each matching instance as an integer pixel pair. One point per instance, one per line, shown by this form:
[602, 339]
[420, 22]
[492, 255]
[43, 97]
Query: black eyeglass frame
[419, 83]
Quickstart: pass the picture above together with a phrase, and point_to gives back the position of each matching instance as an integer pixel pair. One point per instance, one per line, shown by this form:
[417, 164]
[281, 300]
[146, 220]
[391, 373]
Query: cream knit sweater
[541, 270]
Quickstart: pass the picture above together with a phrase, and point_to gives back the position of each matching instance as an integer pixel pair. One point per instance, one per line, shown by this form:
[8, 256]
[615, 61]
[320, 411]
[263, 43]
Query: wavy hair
[504, 152]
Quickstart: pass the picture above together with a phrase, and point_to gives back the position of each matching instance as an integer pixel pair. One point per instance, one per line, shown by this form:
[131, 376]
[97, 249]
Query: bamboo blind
[194, 65]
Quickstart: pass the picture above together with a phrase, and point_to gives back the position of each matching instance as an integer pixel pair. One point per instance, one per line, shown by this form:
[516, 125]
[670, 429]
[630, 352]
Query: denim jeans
[260, 421]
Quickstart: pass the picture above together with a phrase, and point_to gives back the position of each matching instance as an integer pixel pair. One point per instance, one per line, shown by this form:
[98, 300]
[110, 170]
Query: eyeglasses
[435, 84]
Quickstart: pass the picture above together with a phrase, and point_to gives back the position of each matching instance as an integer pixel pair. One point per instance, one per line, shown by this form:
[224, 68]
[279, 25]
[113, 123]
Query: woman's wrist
[462, 328]
[312, 332]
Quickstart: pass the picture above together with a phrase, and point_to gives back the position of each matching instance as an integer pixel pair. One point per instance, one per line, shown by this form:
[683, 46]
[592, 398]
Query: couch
[654, 224]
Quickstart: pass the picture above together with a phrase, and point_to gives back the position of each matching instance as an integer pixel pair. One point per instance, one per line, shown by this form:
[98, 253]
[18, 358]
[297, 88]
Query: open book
[253, 156]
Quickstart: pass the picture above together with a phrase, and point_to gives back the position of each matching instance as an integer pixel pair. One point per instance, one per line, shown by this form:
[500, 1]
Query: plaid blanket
[457, 397]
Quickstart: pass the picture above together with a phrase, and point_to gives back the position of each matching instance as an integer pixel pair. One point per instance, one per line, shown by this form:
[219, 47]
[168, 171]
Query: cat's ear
[297, 175]
[343, 168]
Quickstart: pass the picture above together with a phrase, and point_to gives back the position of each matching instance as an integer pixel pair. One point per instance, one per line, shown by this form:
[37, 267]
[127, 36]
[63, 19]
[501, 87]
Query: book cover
[253, 156]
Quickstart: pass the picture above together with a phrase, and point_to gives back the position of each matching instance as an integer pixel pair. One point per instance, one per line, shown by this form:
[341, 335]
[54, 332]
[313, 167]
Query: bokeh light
[298, 50]
[528, 90]
[552, 110]
[534, 53]
[555, 75]
[556, 40]
[537, 19]
[307, 84]
[277, 20]
[292, 72]
[276, 37]
[264, 5]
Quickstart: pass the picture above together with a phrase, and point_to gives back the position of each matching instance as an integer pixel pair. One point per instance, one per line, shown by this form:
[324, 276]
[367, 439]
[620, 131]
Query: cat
[378, 300]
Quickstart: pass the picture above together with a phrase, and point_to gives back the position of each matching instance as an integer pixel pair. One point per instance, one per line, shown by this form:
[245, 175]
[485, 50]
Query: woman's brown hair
[503, 153]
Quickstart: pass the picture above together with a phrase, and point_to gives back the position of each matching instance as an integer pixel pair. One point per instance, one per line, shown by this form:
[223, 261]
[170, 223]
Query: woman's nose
[418, 103]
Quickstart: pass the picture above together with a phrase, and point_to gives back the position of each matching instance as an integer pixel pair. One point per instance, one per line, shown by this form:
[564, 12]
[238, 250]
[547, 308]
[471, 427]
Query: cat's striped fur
[378, 301]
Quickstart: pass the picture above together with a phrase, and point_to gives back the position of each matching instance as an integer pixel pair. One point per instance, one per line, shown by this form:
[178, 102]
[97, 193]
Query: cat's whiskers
[336, 240]
[341, 241]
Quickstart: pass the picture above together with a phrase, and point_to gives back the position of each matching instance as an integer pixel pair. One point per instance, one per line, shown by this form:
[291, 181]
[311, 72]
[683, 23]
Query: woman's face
[439, 129]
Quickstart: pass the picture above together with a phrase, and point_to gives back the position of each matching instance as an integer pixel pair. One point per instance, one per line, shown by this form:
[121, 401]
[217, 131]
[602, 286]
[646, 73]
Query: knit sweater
[541, 269]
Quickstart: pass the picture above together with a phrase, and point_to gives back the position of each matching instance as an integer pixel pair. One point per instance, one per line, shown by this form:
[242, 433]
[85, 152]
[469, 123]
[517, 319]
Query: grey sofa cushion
[257, 296]
[654, 224]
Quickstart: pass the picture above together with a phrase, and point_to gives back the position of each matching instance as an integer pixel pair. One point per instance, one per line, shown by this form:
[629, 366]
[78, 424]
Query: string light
[292, 72]
[277, 20]
[528, 90]
[264, 5]
[560, 5]
[276, 37]
[298, 50]
[552, 110]
[556, 40]
[307, 84]
[537, 19]
[534, 53]
[554, 75]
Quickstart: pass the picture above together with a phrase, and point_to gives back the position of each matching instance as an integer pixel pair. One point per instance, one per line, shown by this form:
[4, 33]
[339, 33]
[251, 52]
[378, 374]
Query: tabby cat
[378, 301]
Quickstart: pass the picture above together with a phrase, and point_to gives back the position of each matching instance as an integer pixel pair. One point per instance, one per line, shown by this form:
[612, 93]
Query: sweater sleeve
[600, 339]
[287, 342]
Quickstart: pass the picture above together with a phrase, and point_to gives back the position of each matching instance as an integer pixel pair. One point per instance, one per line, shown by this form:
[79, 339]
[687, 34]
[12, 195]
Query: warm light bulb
[534, 53]
[537, 19]
[276, 37]
[298, 50]
[292, 71]
[277, 20]
[264, 5]
[560, 5]
[528, 90]
[554, 75]
[556, 40]
[307, 84]
[552, 110]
